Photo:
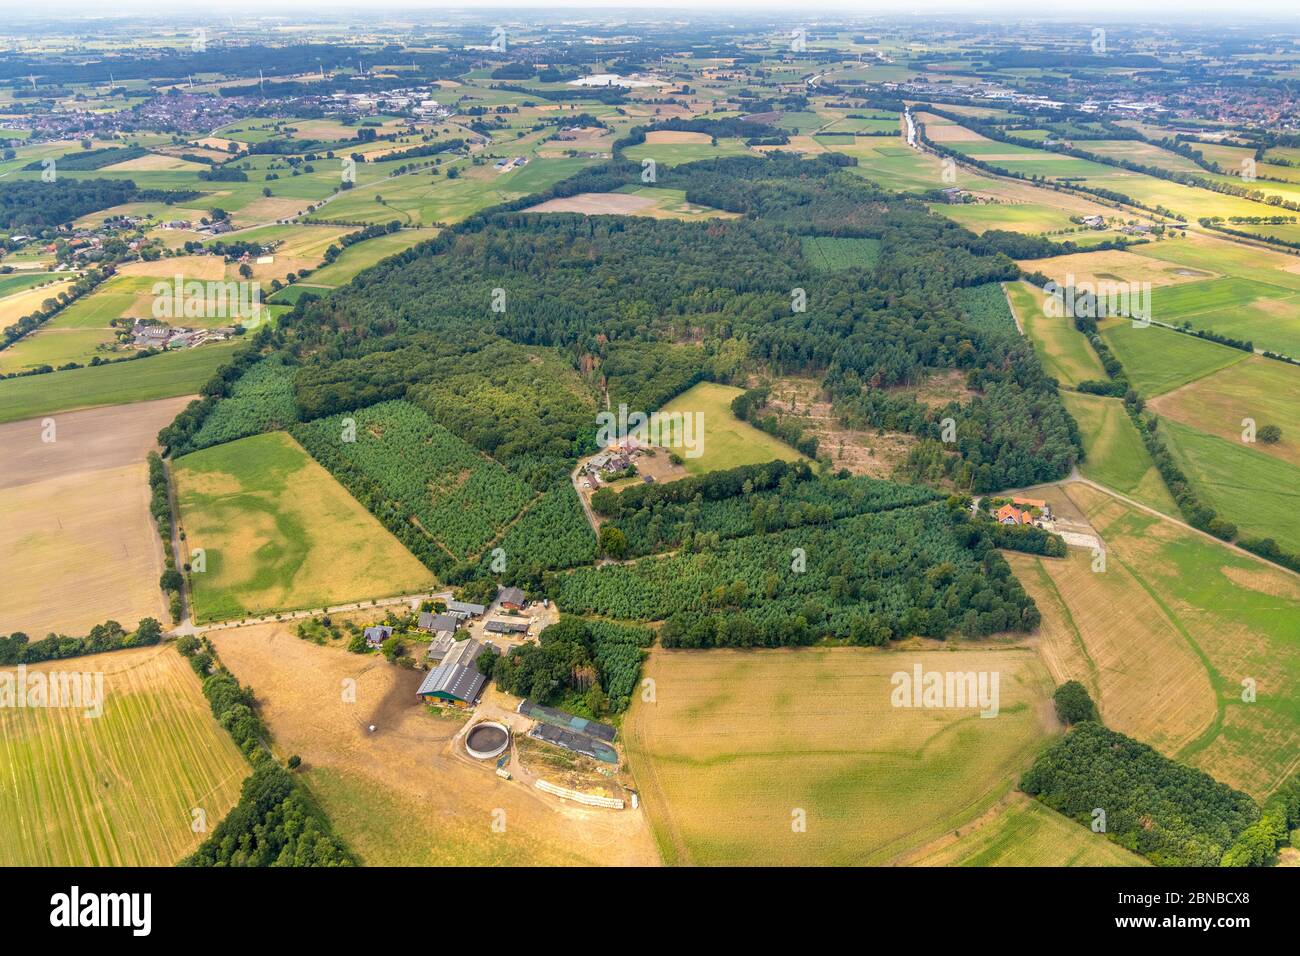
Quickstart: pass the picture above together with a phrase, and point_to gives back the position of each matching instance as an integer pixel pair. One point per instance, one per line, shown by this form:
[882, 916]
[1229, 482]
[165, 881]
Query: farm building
[512, 598]
[1042, 506]
[433, 623]
[456, 679]
[466, 609]
[578, 743]
[378, 634]
[507, 627]
[440, 646]
[566, 721]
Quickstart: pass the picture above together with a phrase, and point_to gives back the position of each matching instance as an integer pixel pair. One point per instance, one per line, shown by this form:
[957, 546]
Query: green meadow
[1255, 491]
[1115, 455]
[138, 380]
[1158, 360]
[1064, 352]
[279, 533]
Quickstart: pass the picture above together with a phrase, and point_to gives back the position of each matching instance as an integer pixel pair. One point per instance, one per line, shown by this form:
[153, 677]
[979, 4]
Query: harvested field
[676, 136]
[88, 440]
[77, 511]
[89, 553]
[596, 204]
[405, 795]
[1111, 265]
[119, 789]
[1104, 630]
[739, 747]
[1240, 616]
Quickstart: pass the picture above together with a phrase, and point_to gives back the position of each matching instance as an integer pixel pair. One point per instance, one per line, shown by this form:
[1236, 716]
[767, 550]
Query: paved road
[188, 627]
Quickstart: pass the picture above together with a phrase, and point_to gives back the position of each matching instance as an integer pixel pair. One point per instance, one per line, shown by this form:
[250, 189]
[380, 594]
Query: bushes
[599, 659]
[109, 636]
[161, 509]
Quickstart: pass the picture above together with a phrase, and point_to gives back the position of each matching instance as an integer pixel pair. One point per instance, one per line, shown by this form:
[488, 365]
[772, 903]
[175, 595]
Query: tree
[612, 542]
[1073, 704]
[1269, 434]
[246, 270]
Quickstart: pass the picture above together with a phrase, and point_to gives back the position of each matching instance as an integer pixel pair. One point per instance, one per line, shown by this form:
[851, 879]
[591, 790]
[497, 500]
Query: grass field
[1239, 617]
[1032, 218]
[1064, 352]
[676, 153]
[363, 255]
[279, 533]
[726, 441]
[419, 199]
[161, 376]
[1115, 454]
[119, 789]
[1257, 492]
[1159, 360]
[1023, 832]
[737, 742]
[405, 795]
[1257, 388]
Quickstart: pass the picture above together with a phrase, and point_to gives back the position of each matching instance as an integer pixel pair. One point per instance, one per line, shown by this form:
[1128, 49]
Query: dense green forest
[1169, 813]
[451, 387]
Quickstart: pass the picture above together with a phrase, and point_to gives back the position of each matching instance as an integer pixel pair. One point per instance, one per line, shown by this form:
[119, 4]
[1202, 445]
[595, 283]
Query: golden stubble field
[1241, 617]
[1104, 630]
[738, 746]
[119, 789]
[84, 547]
[402, 795]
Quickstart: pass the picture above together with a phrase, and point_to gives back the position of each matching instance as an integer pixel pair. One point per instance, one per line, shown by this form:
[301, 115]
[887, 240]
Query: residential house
[376, 635]
[1010, 514]
[433, 623]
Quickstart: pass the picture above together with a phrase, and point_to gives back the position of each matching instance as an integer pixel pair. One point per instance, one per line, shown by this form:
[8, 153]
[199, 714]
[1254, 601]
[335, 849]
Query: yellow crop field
[122, 788]
[740, 749]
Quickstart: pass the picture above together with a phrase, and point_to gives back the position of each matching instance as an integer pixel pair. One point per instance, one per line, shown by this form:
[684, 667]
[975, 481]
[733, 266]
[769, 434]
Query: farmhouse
[434, 623]
[378, 634]
[507, 627]
[511, 598]
[456, 679]
[1010, 514]
[1042, 507]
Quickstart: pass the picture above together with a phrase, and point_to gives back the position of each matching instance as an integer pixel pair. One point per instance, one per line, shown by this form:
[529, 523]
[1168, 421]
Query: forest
[1169, 813]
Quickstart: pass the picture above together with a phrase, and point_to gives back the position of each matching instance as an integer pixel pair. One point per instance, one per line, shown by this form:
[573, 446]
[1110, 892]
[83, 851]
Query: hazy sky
[1240, 12]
